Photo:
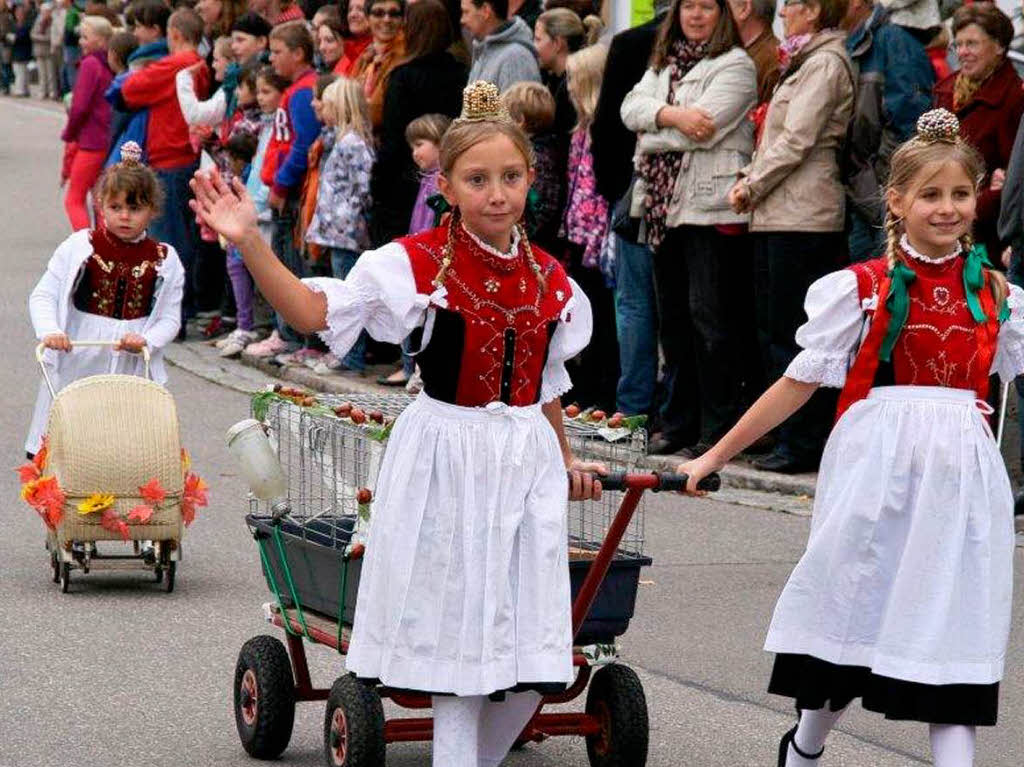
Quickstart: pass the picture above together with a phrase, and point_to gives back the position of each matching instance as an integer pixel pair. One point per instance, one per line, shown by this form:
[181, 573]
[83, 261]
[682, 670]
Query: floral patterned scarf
[965, 87]
[659, 171]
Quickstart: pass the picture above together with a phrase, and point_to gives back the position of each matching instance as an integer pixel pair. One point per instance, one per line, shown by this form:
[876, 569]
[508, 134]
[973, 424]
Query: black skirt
[813, 682]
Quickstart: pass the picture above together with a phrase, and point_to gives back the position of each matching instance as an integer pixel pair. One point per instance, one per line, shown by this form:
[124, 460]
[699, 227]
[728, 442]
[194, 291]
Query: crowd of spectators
[695, 173]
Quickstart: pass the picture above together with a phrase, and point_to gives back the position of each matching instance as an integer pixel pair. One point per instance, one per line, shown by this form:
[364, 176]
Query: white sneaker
[235, 343]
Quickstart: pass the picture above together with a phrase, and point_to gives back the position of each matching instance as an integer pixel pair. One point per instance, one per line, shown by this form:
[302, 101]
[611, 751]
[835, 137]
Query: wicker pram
[113, 434]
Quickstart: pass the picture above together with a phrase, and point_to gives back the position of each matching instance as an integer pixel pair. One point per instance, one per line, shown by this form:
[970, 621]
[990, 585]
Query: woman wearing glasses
[985, 94]
[795, 197]
[373, 67]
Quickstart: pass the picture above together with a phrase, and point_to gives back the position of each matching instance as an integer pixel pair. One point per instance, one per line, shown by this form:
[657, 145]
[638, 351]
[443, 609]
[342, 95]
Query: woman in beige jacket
[690, 113]
[795, 198]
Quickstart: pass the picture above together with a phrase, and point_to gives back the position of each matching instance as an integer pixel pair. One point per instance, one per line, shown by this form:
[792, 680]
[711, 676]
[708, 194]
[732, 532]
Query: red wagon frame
[601, 723]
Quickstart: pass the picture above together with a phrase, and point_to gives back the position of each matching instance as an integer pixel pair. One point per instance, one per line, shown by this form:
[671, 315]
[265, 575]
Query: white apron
[465, 584]
[909, 565]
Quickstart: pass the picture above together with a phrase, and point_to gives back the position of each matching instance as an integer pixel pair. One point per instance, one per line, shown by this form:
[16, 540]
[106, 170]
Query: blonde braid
[892, 249]
[449, 249]
[531, 260]
[997, 280]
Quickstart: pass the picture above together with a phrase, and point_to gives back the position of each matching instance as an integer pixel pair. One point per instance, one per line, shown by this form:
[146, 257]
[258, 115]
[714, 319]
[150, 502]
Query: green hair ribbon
[974, 281]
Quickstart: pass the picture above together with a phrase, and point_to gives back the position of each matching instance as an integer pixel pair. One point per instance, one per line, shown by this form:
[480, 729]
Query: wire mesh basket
[332, 464]
[331, 448]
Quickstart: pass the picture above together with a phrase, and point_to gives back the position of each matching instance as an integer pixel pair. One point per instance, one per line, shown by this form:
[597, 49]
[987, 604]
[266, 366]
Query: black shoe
[783, 464]
[695, 451]
[787, 741]
[663, 446]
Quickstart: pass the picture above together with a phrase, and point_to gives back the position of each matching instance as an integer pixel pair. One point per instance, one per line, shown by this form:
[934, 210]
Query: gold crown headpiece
[131, 153]
[938, 125]
[481, 100]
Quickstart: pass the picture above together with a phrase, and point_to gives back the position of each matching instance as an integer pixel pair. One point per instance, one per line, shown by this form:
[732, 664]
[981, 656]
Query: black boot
[789, 740]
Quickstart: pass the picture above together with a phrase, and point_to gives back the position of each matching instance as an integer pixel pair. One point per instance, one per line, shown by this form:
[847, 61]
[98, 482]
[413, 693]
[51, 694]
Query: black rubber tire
[364, 720]
[55, 567]
[65, 577]
[617, 698]
[172, 568]
[158, 574]
[268, 735]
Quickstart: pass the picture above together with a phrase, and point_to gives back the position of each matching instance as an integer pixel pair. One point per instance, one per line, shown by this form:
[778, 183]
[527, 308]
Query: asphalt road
[119, 673]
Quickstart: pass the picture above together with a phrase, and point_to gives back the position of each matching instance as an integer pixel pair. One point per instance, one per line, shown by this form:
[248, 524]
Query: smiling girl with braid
[465, 587]
[903, 595]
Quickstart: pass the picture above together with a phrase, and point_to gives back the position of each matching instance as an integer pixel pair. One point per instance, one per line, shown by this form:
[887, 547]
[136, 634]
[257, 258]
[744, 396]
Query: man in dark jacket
[636, 313]
[894, 88]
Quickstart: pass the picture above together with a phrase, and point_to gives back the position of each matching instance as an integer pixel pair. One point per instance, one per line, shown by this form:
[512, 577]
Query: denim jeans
[636, 321]
[866, 240]
[283, 244]
[68, 73]
[177, 227]
[342, 261]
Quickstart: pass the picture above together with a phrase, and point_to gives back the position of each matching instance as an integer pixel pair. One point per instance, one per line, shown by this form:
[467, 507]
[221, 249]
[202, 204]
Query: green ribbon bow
[974, 281]
[898, 304]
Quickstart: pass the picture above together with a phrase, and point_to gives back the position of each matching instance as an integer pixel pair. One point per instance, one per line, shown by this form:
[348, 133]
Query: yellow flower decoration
[186, 461]
[28, 489]
[96, 502]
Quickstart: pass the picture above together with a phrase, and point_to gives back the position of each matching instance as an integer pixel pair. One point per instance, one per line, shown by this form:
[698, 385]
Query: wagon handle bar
[40, 349]
[634, 485]
[656, 481]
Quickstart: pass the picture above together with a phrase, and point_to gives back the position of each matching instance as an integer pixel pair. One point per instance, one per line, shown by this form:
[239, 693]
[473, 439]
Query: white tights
[474, 731]
[952, 744]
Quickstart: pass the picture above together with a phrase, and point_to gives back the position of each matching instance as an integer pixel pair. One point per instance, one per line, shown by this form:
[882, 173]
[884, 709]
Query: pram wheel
[616, 697]
[353, 725]
[172, 568]
[65, 577]
[264, 696]
[55, 566]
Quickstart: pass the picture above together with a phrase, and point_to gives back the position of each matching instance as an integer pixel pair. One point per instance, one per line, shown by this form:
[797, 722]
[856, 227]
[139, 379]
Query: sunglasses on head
[380, 13]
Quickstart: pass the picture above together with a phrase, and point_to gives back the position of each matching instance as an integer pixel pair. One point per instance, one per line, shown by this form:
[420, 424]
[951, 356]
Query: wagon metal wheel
[264, 696]
[353, 725]
[616, 698]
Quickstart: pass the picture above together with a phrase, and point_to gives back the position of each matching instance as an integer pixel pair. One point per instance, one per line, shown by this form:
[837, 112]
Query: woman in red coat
[985, 93]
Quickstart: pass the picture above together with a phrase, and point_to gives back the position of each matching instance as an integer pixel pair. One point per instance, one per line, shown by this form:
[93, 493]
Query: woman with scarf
[795, 197]
[373, 67]
[690, 111]
[985, 94]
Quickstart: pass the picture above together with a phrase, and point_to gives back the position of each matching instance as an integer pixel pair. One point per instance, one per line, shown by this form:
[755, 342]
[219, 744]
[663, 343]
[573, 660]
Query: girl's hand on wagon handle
[696, 470]
[57, 341]
[583, 485]
[131, 342]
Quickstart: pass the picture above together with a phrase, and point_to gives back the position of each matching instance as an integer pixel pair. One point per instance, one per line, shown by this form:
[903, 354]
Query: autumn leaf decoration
[194, 497]
[41, 493]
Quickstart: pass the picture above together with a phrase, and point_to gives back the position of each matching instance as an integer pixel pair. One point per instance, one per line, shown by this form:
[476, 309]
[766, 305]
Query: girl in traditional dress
[111, 283]
[902, 597]
[464, 591]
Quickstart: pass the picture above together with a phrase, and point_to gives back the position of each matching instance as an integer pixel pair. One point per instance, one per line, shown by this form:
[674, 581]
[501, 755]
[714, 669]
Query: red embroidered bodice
[940, 344]
[491, 340]
[119, 278]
